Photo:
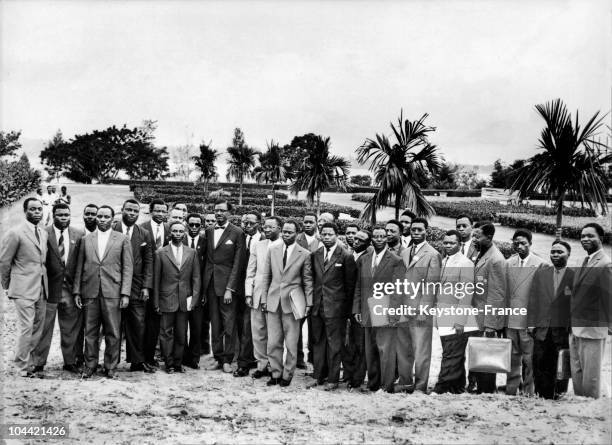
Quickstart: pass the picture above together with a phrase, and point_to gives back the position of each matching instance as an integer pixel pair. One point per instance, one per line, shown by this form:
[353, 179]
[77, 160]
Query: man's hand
[227, 298]
[156, 308]
[249, 301]
[6, 293]
[264, 307]
[125, 301]
[78, 302]
[144, 294]
[308, 308]
[458, 329]
[357, 318]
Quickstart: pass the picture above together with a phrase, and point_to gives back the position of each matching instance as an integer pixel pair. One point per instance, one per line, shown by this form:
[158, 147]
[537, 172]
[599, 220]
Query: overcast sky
[277, 69]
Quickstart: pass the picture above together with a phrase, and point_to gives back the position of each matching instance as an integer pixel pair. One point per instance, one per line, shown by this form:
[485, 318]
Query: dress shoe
[273, 381]
[241, 372]
[153, 363]
[192, 364]
[301, 365]
[284, 382]
[315, 383]
[309, 374]
[205, 350]
[169, 369]
[88, 372]
[148, 369]
[353, 385]
[38, 368]
[407, 389]
[259, 373]
[179, 368]
[110, 373]
[72, 368]
[331, 387]
[227, 368]
[136, 367]
[472, 388]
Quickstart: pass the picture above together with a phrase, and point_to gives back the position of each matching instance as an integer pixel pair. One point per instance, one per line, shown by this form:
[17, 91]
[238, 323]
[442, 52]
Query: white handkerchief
[143, 244]
[189, 303]
[338, 264]
[229, 241]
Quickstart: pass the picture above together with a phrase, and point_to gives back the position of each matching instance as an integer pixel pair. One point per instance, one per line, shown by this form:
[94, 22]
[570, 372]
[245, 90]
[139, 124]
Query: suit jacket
[142, 258]
[334, 283]
[472, 252]
[223, 263]
[312, 247]
[549, 309]
[424, 268]
[398, 249]
[61, 275]
[147, 226]
[490, 276]
[22, 263]
[241, 291]
[254, 278]
[174, 283]
[112, 274]
[200, 249]
[390, 268]
[457, 274]
[518, 287]
[280, 283]
[590, 305]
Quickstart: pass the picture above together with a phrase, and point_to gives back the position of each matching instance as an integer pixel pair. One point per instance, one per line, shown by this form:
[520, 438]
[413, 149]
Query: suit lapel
[170, 255]
[334, 258]
[32, 237]
[382, 264]
[53, 241]
[94, 242]
[223, 238]
[584, 271]
[111, 241]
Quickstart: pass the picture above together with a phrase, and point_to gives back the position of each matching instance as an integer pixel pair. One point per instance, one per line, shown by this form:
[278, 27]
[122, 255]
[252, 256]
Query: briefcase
[563, 365]
[489, 354]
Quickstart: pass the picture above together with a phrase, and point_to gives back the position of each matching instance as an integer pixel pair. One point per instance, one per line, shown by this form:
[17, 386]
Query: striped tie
[60, 246]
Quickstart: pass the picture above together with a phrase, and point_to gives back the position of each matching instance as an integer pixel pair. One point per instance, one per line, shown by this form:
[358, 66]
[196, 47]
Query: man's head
[61, 216]
[406, 219]
[130, 212]
[209, 220]
[483, 234]
[222, 211]
[33, 209]
[418, 230]
[591, 237]
[362, 241]
[325, 217]
[310, 224]
[451, 242]
[290, 229]
[349, 233]
[194, 224]
[394, 232]
[104, 217]
[559, 253]
[50, 189]
[64, 190]
[250, 223]
[177, 232]
[89, 217]
[329, 234]
[463, 223]
[176, 215]
[272, 227]
[182, 207]
[379, 238]
[158, 210]
[521, 241]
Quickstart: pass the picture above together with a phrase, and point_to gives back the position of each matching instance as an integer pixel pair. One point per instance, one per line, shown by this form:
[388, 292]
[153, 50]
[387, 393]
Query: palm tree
[572, 164]
[272, 169]
[241, 159]
[206, 163]
[400, 167]
[318, 171]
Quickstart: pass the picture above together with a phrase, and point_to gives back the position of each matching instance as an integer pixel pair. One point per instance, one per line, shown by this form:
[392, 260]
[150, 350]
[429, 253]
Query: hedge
[145, 196]
[198, 191]
[282, 211]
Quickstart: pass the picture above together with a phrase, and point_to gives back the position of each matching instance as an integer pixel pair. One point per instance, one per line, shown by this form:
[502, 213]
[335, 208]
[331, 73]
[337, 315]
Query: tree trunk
[240, 197]
[318, 204]
[273, 199]
[398, 202]
[559, 206]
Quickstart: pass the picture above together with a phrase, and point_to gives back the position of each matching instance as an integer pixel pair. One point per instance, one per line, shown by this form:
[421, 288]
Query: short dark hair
[310, 214]
[174, 223]
[378, 227]
[58, 206]
[224, 201]
[409, 213]
[193, 215]
[256, 214]
[178, 203]
[106, 206]
[130, 201]
[524, 233]
[564, 244]
[26, 203]
[463, 216]
[278, 220]
[453, 232]
[487, 228]
[367, 232]
[597, 227]
[294, 222]
[421, 221]
[91, 204]
[396, 223]
[332, 226]
[351, 225]
[157, 202]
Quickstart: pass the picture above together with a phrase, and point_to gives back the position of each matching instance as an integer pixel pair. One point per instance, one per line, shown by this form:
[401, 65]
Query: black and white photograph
[306, 221]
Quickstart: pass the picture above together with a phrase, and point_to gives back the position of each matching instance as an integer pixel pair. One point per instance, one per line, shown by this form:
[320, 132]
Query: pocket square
[143, 244]
[229, 241]
[338, 265]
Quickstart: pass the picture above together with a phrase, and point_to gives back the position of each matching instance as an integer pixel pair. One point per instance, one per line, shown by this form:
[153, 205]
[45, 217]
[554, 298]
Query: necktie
[463, 248]
[192, 243]
[249, 238]
[555, 281]
[375, 264]
[37, 235]
[128, 233]
[444, 265]
[521, 262]
[178, 255]
[284, 257]
[326, 257]
[60, 246]
[158, 240]
[411, 254]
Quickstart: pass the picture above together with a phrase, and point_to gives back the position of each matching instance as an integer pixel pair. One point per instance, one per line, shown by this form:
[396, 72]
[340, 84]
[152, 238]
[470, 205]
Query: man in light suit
[458, 272]
[414, 333]
[334, 274]
[254, 290]
[548, 318]
[142, 283]
[102, 285]
[176, 292]
[394, 237]
[378, 267]
[286, 297]
[406, 219]
[490, 275]
[520, 270]
[591, 319]
[463, 224]
[225, 252]
[63, 244]
[24, 280]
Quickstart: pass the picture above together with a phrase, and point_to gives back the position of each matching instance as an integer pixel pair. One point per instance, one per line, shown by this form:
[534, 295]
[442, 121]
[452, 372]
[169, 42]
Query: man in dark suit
[62, 247]
[89, 218]
[548, 318]
[102, 284]
[394, 237]
[160, 235]
[406, 219]
[142, 283]
[197, 316]
[225, 254]
[334, 277]
[350, 230]
[175, 294]
[375, 269]
[463, 224]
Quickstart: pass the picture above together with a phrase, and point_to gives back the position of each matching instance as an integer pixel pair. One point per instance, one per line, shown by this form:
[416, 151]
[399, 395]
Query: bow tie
[217, 227]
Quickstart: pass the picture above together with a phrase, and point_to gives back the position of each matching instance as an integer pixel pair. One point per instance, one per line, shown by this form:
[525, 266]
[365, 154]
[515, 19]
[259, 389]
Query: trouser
[353, 353]
[223, 323]
[152, 320]
[545, 356]
[205, 334]
[70, 320]
[327, 340]
[30, 325]
[414, 349]
[386, 342]
[452, 368]
[521, 363]
[586, 358]
[300, 352]
[192, 348]
[246, 358]
[134, 325]
[259, 333]
[282, 328]
[173, 336]
[372, 358]
[485, 381]
[105, 312]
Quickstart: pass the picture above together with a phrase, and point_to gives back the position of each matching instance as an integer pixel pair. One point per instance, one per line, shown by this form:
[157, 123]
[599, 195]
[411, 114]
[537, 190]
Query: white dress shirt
[219, 232]
[124, 230]
[328, 254]
[289, 250]
[103, 238]
[466, 246]
[158, 232]
[177, 251]
[253, 239]
[377, 257]
[58, 233]
[406, 240]
[34, 229]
